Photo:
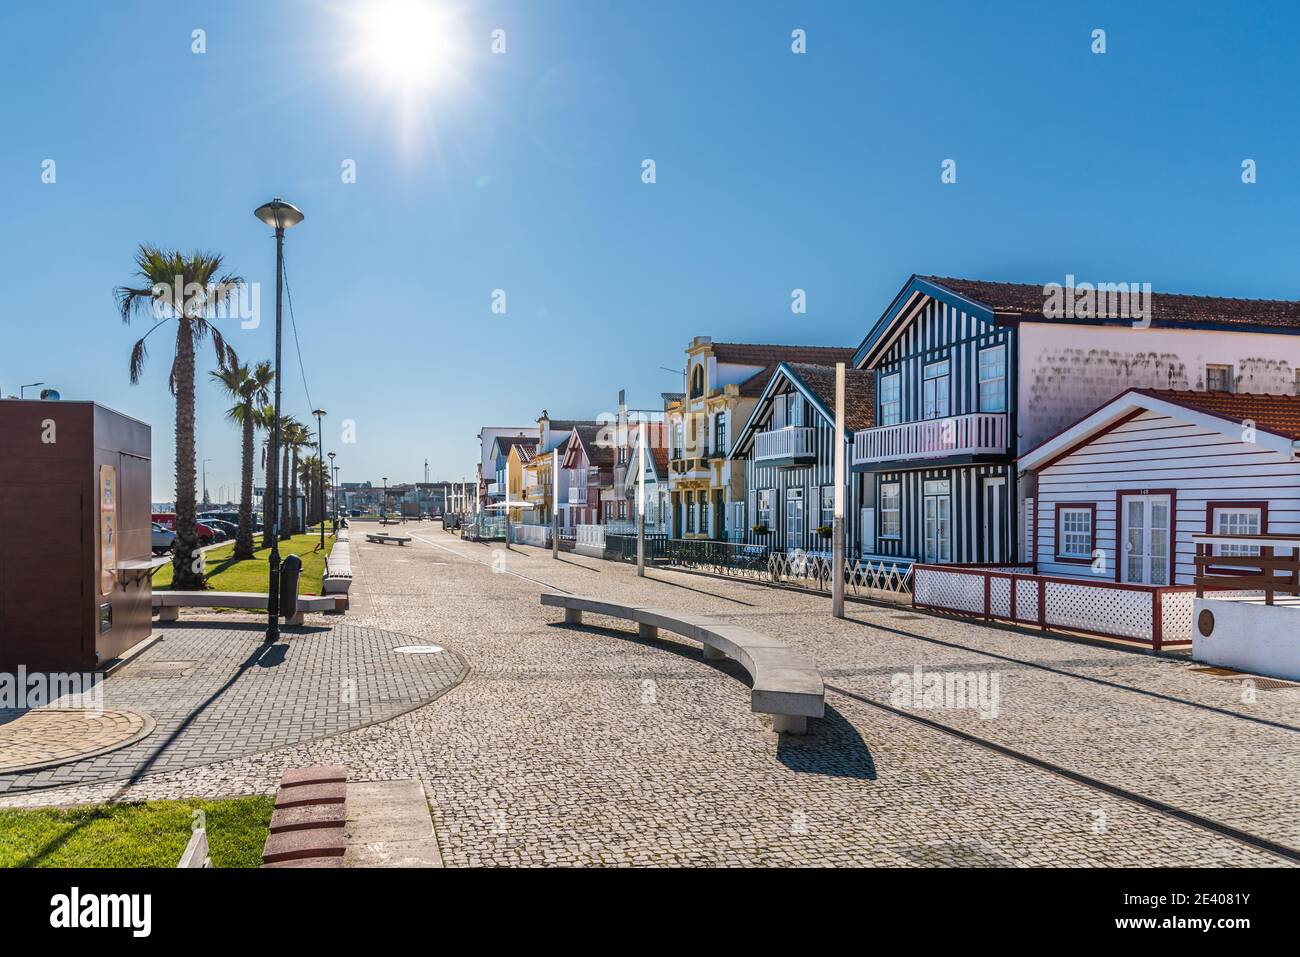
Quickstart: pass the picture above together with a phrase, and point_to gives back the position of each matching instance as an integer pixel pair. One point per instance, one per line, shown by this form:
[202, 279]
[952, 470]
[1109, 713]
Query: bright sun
[404, 43]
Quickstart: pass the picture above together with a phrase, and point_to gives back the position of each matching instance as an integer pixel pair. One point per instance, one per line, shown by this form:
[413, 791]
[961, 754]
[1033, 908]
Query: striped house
[969, 374]
[1122, 491]
[787, 449]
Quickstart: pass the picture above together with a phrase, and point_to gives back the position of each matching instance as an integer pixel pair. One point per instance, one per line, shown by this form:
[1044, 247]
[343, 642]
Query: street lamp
[280, 216]
[385, 501]
[22, 389]
[331, 474]
[320, 444]
[205, 481]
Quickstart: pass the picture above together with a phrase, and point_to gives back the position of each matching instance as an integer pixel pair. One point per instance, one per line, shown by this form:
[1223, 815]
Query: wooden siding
[1153, 451]
[811, 478]
[966, 492]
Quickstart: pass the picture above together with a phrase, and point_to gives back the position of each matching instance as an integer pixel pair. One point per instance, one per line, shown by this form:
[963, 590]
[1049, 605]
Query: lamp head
[278, 214]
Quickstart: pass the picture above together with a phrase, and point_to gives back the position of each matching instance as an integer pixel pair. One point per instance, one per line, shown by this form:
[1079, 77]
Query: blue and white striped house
[787, 448]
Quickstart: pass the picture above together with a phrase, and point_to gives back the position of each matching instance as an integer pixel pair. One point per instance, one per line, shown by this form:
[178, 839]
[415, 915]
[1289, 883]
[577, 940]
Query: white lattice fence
[593, 535]
[1000, 597]
[954, 590]
[539, 535]
[1084, 606]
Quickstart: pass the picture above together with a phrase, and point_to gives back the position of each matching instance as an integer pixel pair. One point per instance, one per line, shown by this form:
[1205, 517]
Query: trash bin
[290, 572]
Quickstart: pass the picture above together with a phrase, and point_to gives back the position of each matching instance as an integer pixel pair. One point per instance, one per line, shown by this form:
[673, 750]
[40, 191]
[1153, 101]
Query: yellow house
[521, 454]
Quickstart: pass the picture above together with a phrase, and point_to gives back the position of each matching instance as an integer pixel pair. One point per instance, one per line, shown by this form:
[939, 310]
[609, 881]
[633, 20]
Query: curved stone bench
[337, 578]
[786, 682]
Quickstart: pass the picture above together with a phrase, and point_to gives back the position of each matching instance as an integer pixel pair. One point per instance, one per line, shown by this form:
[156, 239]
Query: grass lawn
[226, 574]
[143, 834]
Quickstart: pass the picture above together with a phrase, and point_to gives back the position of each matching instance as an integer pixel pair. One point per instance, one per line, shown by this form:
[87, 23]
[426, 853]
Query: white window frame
[886, 511]
[794, 530]
[891, 408]
[1220, 512]
[1069, 535]
[827, 515]
[763, 508]
[930, 386]
[1000, 405]
[1219, 367]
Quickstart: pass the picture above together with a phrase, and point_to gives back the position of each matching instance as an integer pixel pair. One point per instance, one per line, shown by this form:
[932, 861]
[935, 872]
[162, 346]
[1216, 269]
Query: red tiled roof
[859, 392]
[1167, 309]
[1279, 414]
[770, 356]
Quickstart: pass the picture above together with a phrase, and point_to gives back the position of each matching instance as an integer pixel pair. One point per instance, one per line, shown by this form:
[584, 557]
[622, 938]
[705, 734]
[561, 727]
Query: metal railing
[783, 443]
[978, 433]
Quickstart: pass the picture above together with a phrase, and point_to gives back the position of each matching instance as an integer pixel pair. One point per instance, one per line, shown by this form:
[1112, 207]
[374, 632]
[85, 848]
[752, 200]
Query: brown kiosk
[75, 543]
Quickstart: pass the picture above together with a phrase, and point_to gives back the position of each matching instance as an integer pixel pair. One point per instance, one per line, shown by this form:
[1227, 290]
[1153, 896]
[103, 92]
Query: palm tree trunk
[186, 562]
[286, 514]
[293, 494]
[244, 537]
[269, 496]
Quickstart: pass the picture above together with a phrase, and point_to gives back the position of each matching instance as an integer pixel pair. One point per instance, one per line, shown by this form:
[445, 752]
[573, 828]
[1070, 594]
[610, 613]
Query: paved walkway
[591, 746]
[213, 690]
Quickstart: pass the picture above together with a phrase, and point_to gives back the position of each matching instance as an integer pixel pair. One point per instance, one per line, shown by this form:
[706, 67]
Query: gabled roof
[588, 436]
[503, 443]
[1007, 303]
[817, 384]
[769, 356]
[1276, 419]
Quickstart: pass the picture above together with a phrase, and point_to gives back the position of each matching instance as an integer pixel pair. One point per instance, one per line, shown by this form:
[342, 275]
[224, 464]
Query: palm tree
[184, 287]
[249, 386]
[296, 437]
[313, 471]
[265, 420]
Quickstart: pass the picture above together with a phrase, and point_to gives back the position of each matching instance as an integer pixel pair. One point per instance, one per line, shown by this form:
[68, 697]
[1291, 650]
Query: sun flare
[405, 44]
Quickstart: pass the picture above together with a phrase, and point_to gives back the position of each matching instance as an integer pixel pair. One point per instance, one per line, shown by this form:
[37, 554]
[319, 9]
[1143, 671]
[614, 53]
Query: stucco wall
[1067, 370]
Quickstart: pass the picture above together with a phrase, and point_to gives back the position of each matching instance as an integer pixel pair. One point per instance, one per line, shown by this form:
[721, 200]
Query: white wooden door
[1146, 539]
[937, 522]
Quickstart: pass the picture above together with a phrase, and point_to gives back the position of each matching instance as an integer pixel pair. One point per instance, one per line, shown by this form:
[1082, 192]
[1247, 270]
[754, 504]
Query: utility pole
[837, 563]
[640, 500]
[555, 503]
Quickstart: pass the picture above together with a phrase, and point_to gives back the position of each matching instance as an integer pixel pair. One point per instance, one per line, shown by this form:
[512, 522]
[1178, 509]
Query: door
[794, 518]
[937, 522]
[992, 546]
[1147, 523]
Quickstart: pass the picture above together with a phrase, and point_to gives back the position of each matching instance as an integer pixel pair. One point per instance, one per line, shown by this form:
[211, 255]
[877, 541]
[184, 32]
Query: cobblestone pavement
[592, 746]
[216, 691]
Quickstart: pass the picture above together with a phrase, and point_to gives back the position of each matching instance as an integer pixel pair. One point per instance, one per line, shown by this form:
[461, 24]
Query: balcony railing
[790, 442]
[577, 495]
[979, 433]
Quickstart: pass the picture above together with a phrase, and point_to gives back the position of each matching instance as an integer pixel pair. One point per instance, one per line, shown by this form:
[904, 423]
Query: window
[934, 391]
[828, 505]
[1297, 381]
[697, 382]
[1075, 531]
[891, 510]
[1218, 378]
[764, 508]
[1237, 518]
[891, 409]
[690, 511]
[794, 518]
[794, 409]
[720, 433]
[993, 379]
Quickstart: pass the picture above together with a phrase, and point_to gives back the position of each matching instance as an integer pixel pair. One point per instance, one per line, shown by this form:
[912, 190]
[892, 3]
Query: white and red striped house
[1121, 491]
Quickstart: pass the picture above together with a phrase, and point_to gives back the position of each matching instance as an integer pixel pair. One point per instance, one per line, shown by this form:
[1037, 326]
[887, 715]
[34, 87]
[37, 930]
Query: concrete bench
[170, 603]
[379, 538]
[337, 578]
[786, 682]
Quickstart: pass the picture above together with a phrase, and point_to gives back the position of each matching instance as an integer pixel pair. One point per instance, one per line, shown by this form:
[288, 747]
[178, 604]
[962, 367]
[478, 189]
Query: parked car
[207, 535]
[163, 539]
[228, 529]
[354, 512]
[230, 518]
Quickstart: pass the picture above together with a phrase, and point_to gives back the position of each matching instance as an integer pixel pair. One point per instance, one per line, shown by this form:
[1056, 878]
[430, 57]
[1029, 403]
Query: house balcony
[785, 448]
[495, 490]
[975, 434]
[692, 469]
[577, 495]
[536, 493]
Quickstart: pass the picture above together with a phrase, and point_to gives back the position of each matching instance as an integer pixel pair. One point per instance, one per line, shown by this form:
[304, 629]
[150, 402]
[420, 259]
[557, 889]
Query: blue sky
[522, 172]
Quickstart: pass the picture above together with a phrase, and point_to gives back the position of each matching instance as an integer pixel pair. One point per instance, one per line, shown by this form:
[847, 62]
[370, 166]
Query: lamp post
[280, 216]
[205, 481]
[837, 527]
[320, 444]
[22, 389]
[332, 475]
[384, 517]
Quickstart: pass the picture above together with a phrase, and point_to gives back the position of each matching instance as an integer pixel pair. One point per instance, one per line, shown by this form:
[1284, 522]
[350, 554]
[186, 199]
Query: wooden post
[837, 533]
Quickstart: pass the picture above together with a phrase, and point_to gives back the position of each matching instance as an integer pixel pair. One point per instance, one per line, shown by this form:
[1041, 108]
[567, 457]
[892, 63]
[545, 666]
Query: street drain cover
[418, 649]
[1261, 684]
[159, 669]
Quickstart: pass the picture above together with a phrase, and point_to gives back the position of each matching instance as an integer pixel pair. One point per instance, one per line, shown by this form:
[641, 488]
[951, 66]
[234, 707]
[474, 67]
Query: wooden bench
[170, 603]
[786, 682]
[379, 538]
